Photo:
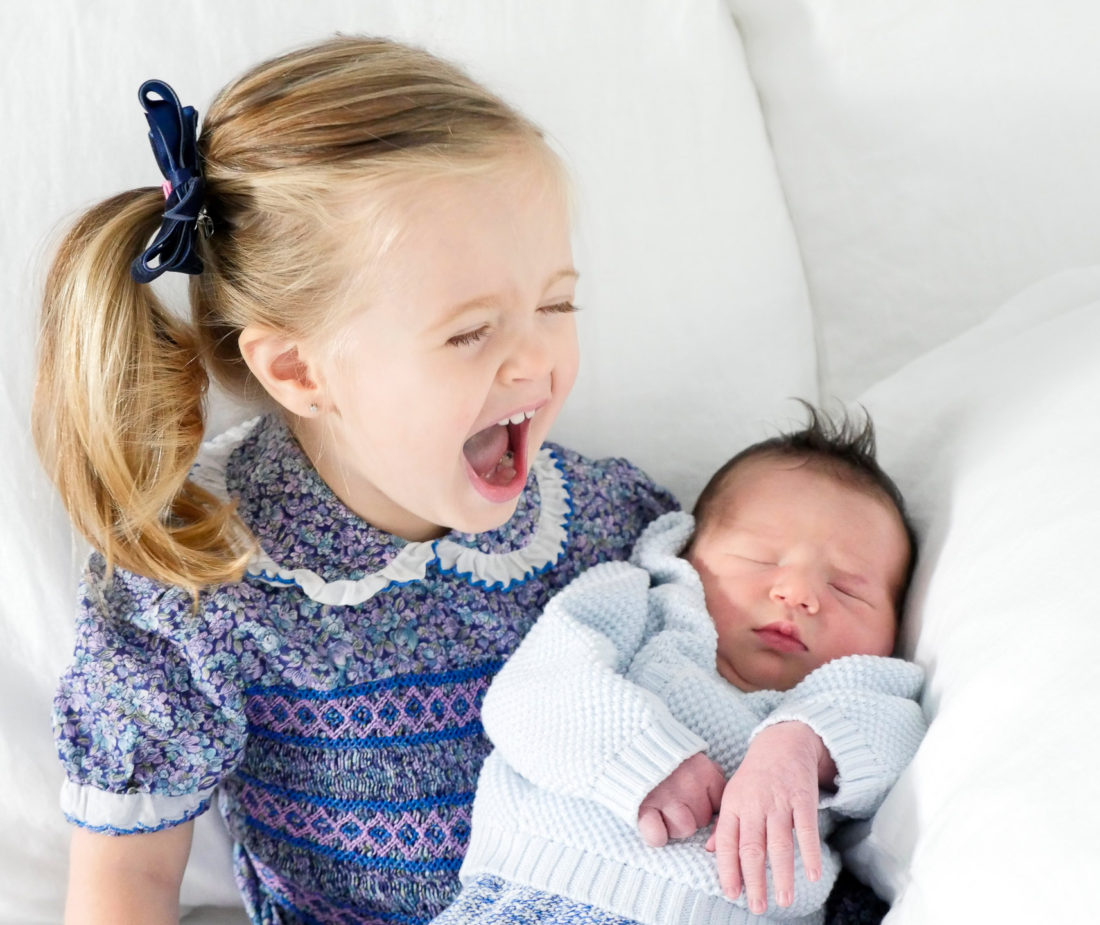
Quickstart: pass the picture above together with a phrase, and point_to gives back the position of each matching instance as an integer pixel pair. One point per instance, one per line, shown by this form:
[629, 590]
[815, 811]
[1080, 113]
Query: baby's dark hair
[842, 447]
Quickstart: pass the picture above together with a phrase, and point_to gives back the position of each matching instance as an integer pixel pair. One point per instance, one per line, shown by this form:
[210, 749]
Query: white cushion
[938, 156]
[994, 439]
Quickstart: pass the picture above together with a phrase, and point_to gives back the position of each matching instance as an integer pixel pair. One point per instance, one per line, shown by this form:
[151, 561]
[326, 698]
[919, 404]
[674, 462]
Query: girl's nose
[530, 356]
[797, 592]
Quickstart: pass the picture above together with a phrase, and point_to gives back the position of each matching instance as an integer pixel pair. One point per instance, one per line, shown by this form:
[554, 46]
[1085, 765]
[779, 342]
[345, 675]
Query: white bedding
[938, 156]
[935, 158]
[994, 439]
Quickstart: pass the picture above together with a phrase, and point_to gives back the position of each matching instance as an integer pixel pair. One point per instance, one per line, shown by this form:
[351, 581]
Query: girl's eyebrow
[563, 273]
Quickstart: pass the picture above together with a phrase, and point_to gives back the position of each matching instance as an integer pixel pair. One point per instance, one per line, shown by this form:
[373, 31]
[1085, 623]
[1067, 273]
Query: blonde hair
[119, 401]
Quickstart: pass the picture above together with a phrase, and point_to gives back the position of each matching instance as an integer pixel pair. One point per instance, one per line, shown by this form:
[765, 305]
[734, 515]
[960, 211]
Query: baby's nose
[796, 592]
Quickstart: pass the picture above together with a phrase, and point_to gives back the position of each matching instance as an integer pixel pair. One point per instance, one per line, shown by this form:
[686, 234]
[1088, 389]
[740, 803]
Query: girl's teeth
[516, 418]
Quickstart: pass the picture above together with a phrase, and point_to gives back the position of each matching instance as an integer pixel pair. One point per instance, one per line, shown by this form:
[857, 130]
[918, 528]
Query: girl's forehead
[516, 177]
[430, 244]
[381, 215]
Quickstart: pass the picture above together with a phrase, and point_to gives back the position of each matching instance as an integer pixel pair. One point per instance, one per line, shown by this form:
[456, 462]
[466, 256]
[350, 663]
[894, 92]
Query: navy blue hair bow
[173, 133]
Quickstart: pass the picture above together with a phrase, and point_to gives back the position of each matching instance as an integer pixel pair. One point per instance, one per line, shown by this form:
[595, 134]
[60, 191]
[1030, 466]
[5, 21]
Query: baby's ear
[282, 366]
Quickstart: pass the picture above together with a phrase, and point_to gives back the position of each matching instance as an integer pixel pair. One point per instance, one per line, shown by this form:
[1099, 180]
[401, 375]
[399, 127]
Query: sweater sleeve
[865, 709]
[563, 716]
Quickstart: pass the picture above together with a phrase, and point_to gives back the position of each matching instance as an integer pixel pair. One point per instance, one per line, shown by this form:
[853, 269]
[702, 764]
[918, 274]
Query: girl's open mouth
[497, 457]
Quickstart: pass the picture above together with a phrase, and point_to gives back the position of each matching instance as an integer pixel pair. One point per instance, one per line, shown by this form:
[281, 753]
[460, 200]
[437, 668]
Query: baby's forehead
[791, 486]
[807, 468]
[748, 478]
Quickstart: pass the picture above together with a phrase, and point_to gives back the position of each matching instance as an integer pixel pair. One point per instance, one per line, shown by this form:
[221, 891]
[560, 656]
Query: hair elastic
[173, 133]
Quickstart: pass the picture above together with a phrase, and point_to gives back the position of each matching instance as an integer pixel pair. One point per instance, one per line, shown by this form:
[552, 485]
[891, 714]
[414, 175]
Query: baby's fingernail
[784, 897]
[813, 875]
[758, 907]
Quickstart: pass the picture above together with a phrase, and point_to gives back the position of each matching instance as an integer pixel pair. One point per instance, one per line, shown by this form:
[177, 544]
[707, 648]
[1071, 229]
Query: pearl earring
[313, 407]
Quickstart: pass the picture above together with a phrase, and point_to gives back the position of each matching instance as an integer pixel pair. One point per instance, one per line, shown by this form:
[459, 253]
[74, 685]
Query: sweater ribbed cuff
[861, 779]
[654, 754]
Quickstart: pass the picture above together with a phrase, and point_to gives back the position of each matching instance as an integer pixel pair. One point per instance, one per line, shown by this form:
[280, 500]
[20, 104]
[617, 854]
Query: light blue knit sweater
[611, 690]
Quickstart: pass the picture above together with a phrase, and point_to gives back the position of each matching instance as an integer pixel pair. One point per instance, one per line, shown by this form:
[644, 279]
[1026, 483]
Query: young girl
[301, 619]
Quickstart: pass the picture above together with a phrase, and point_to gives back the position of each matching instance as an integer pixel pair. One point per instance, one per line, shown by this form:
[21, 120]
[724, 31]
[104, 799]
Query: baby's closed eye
[845, 590]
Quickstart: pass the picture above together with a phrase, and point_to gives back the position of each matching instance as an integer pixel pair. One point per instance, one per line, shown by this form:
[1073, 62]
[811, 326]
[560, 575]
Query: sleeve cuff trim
[129, 813]
[643, 765]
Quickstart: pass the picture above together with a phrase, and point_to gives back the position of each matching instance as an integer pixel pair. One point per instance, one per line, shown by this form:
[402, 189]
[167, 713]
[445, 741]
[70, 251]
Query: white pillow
[695, 320]
[938, 156]
[994, 438]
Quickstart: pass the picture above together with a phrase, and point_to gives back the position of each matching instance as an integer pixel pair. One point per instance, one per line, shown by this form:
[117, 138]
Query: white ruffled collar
[271, 467]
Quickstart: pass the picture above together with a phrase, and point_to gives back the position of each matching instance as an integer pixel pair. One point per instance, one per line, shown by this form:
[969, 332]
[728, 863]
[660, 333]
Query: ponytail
[118, 408]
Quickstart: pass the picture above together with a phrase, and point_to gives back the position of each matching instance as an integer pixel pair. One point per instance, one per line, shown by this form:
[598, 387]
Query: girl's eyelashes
[472, 337]
[469, 337]
[559, 308]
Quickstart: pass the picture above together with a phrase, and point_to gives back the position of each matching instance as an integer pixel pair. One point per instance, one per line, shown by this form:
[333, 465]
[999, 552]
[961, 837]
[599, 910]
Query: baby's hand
[683, 802]
[769, 802]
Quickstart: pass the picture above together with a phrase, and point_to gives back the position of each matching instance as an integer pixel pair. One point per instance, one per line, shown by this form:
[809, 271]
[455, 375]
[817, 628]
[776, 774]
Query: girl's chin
[481, 517]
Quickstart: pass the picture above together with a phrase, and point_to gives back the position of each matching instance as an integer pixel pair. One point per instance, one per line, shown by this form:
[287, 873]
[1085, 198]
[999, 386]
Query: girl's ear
[283, 368]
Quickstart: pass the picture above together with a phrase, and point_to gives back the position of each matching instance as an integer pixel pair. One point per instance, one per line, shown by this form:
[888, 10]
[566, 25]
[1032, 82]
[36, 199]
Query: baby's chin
[748, 680]
[729, 671]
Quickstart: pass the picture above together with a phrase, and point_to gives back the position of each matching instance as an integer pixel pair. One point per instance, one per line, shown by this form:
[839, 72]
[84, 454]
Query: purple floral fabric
[344, 740]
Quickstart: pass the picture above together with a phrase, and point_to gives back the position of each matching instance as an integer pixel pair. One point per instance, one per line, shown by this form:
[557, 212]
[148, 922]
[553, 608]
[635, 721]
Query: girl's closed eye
[559, 308]
[468, 337]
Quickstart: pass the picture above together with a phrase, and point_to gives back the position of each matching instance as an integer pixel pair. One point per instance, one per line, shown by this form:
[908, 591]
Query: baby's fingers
[752, 853]
[651, 826]
[726, 839]
[809, 840]
[682, 820]
[781, 856]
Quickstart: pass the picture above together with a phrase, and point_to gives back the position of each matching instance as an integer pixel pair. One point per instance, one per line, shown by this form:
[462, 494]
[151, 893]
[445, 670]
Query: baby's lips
[782, 636]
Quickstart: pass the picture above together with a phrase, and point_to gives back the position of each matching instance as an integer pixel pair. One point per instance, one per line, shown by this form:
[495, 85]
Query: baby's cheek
[875, 638]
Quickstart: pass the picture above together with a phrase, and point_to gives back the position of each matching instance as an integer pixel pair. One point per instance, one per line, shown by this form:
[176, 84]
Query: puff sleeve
[149, 716]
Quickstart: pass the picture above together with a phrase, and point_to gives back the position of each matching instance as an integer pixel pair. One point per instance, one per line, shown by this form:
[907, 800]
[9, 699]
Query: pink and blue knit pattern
[405, 831]
[409, 709]
[402, 712]
[416, 834]
[314, 909]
